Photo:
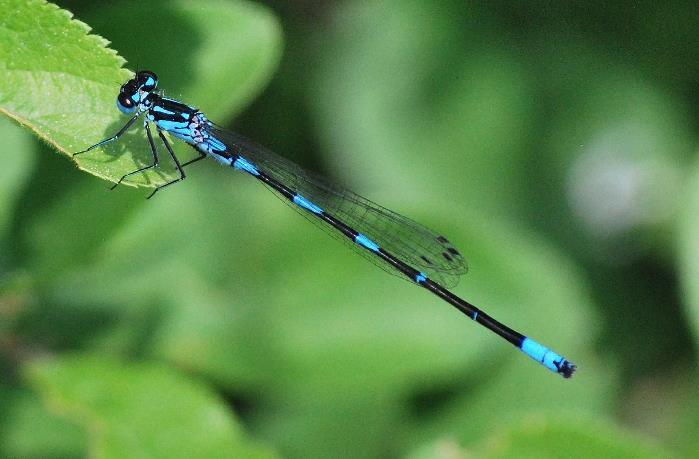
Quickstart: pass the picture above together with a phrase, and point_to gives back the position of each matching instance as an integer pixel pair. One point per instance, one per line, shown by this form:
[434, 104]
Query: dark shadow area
[149, 35]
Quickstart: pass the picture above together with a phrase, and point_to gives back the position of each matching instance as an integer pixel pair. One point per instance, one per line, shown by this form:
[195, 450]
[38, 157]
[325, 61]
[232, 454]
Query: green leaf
[140, 410]
[57, 79]
[544, 437]
[30, 430]
[591, 392]
[189, 276]
[688, 252]
[61, 81]
[680, 413]
[17, 162]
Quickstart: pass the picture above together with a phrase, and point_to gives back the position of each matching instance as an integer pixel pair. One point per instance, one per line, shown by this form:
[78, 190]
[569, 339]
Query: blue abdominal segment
[366, 242]
[306, 204]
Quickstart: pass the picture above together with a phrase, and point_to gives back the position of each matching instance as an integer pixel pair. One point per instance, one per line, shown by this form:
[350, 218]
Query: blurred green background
[554, 144]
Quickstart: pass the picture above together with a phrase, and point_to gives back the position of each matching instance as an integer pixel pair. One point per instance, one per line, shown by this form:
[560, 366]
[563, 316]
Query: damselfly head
[134, 91]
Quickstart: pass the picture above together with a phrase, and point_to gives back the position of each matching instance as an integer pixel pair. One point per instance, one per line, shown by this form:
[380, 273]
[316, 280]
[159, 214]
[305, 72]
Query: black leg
[112, 138]
[177, 163]
[153, 150]
[201, 156]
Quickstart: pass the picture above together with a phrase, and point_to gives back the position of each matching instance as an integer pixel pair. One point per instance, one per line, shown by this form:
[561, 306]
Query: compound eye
[125, 103]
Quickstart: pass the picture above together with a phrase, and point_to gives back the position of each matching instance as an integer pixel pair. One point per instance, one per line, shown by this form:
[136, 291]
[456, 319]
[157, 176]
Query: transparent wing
[419, 247]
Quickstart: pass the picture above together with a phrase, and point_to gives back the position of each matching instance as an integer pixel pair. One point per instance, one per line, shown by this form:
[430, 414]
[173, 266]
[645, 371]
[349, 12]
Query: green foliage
[212, 321]
[13, 173]
[140, 410]
[539, 437]
[688, 249]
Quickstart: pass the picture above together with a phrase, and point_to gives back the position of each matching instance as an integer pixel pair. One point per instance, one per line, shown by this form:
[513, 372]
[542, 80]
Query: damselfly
[395, 243]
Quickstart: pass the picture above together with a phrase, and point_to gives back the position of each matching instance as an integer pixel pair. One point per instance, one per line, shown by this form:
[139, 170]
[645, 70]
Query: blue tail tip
[548, 358]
